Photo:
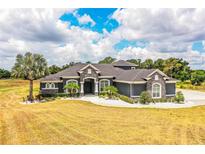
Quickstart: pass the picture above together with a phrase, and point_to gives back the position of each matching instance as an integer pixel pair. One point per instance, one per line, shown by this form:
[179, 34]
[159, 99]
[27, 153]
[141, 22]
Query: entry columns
[96, 88]
[81, 88]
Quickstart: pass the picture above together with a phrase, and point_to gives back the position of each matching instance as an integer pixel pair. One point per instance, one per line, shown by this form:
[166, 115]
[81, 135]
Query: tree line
[174, 67]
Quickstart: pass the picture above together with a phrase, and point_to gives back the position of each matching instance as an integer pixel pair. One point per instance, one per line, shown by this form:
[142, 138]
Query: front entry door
[88, 87]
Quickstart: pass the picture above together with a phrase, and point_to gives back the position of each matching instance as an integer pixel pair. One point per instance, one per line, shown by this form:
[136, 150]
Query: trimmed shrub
[126, 99]
[179, 98]
[55, 95]
[47, 95]
[160, 100]
[145, 97]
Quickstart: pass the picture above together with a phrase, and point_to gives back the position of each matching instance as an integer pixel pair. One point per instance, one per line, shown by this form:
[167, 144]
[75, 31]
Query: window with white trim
[50, 86]
[156, 90]
[104, 83]
[156, 77]
[89, 71]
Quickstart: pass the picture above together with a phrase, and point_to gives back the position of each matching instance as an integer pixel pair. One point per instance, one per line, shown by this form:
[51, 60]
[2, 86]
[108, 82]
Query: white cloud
[85, 19]
[41, 31]
[160, 24]
[195, 58]
[177, 28]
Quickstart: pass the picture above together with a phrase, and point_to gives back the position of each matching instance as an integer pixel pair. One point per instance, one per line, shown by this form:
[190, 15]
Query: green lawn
[77, 122]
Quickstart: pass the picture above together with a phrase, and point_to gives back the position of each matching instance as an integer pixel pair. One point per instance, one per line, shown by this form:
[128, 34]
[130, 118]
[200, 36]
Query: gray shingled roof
[123, 63]
[134, 75]
[105, 70]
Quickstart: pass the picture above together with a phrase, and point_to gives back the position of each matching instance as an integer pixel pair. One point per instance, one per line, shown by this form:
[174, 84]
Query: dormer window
[156, 77]
[89, 71]
[132, 68]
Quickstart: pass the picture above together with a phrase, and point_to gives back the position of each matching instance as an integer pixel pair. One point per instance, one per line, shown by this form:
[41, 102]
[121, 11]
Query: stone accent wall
[85, 74]
[160, 81]
[92, 75]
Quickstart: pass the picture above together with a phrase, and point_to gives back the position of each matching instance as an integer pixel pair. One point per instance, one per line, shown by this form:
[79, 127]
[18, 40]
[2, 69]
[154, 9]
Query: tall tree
[148, 64]
[4, 74]
[69, 65]
[30, 67]
[197, 77]
[177, 68]
[135, 61]
[159, 64]
[107, 60]
[54, 69]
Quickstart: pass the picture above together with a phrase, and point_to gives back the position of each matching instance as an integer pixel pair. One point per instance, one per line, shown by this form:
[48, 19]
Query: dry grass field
[76, 122]
[188, 85]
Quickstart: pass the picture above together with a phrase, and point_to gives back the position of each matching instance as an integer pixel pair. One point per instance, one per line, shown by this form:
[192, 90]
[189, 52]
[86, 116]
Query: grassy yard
[188, 85]
[77, 122]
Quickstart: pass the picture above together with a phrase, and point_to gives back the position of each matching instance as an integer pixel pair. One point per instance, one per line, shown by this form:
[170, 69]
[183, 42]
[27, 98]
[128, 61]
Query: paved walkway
[192, 98]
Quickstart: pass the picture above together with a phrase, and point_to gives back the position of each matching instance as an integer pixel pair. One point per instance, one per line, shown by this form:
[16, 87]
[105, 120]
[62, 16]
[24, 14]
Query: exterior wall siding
[137, 89]
[170, 88]
[123, 88]
[60, 87]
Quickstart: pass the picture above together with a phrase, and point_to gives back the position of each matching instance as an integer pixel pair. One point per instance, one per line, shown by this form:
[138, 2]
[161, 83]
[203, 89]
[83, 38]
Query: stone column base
[96, 93]
[81, 94]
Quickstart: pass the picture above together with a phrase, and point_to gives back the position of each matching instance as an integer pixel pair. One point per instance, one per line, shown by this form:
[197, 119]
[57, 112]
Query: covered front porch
[89, 86]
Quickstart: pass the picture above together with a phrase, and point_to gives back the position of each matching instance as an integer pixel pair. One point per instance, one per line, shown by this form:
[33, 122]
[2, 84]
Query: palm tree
[111, 91]
[72, 87]
[30, 67]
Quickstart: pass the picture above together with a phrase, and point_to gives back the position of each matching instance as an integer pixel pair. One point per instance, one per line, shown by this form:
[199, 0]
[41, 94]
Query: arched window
[156, 90]
[74, 81]
[47, 85]
[50, 86]
[103, 84]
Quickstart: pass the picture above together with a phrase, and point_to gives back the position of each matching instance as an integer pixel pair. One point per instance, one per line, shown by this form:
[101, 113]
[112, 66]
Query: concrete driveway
[196, 97]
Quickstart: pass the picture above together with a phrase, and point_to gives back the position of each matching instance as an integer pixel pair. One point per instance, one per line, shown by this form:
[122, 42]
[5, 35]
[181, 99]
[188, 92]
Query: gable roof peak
[91, 65]
[123, 63]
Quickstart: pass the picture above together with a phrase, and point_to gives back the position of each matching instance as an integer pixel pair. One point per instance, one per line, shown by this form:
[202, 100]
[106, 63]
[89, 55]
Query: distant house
[92, 78]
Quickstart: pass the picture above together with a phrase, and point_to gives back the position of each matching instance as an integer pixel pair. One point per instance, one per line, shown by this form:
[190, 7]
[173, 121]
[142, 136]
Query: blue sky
[89, 34]
[101, 16]
[198, 46]
[103, 21]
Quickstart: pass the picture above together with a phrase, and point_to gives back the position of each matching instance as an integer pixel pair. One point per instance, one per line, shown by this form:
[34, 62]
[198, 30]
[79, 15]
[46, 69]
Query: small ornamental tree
[72, 87]
[111, 91]
[145, 97]
[179, 98]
